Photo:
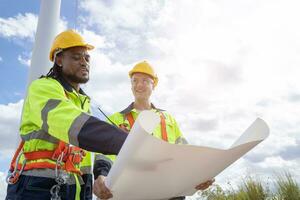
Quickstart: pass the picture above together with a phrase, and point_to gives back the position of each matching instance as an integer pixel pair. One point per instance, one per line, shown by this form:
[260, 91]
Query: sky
[221, 64]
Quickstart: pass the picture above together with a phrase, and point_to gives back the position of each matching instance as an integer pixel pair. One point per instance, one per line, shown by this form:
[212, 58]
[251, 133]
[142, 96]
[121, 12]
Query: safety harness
[65, 156]
[131, 121]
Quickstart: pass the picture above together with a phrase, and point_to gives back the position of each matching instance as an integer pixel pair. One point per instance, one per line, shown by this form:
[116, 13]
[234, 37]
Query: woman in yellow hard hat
[143, 81]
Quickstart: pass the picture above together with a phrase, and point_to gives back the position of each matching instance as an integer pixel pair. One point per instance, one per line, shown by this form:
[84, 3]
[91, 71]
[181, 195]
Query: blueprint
[148, 168]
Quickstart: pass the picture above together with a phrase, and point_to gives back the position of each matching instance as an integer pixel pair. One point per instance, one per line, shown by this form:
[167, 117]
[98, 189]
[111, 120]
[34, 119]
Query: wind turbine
[47, 29]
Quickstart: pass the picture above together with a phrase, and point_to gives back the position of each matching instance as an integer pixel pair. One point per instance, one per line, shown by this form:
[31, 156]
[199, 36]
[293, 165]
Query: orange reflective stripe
[38, 155]
[164, 134]
[130, 119]
[37, 165]
[68, 166]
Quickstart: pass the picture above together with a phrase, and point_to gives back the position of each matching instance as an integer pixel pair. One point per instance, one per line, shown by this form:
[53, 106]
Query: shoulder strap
[130, 119]
[164, 134]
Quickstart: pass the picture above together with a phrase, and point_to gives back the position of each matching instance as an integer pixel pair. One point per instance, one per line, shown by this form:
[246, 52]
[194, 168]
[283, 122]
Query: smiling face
[75, 65]
[142, 86]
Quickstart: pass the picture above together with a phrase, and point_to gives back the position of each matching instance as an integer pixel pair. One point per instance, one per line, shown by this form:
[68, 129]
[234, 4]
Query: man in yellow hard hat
[57, 130]
[143, 81]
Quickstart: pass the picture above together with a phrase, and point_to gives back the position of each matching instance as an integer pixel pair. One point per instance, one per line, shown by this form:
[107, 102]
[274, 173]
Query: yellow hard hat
[146, 68]
[67, 39]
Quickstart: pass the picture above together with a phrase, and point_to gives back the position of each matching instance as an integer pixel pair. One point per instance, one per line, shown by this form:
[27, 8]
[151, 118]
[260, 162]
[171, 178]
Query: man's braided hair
[54, 72]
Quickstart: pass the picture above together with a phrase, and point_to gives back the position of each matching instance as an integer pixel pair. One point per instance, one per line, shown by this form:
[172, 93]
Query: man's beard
[76, 79]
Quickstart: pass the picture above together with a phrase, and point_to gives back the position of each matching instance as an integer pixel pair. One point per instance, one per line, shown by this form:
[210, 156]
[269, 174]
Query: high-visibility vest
[51, 115]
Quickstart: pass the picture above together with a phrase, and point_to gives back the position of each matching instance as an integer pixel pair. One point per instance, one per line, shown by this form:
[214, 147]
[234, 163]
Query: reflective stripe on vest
[164, 134]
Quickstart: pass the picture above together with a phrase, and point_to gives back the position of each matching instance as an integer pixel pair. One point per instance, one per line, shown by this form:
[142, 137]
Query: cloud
[294, 97]
[62, 24]
[128, 25]
[21, 26]
[24, 61]
[95, 39]
[109, 84]
[1, 59]
[3, 185]
[202, 123]
[9, 124]
[291, 152]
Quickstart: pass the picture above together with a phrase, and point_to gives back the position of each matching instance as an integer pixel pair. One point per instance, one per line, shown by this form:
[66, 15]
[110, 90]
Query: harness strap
[20, 147]
[71, 156]
[164, 134]
[130, 119]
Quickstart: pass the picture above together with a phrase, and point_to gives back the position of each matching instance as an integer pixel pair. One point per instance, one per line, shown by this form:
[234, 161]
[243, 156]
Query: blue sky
[14, 82]
[221, 64]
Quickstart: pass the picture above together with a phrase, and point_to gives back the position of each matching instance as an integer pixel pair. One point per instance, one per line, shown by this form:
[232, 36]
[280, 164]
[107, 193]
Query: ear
[59, 60]
[153, 87]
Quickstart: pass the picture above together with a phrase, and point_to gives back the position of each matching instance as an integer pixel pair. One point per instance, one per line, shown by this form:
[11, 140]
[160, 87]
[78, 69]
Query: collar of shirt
[131, 108]
[68, 87]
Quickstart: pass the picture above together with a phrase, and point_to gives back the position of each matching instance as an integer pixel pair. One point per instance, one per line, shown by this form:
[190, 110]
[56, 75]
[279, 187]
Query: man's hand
[100, 190]
[205, 185]
[124, 128]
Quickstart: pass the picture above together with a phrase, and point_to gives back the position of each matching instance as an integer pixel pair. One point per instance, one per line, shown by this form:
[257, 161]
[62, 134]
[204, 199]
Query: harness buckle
[13, 177]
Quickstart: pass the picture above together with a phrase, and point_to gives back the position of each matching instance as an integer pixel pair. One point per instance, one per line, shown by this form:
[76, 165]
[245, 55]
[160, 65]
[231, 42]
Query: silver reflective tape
[103, 157]
[86, 170]
[50, 173]
[76, 127]
[50, 105]
[40, 134]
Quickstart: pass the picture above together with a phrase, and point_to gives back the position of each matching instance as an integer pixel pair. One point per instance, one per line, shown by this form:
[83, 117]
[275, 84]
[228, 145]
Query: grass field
[284, 188]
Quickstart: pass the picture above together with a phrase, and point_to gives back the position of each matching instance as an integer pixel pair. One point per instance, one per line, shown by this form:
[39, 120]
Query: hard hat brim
[154, 78]
[68, 39]
[88, 46]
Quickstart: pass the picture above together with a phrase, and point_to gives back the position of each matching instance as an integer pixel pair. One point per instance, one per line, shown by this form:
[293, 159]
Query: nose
[84, 62]
[139, 84]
